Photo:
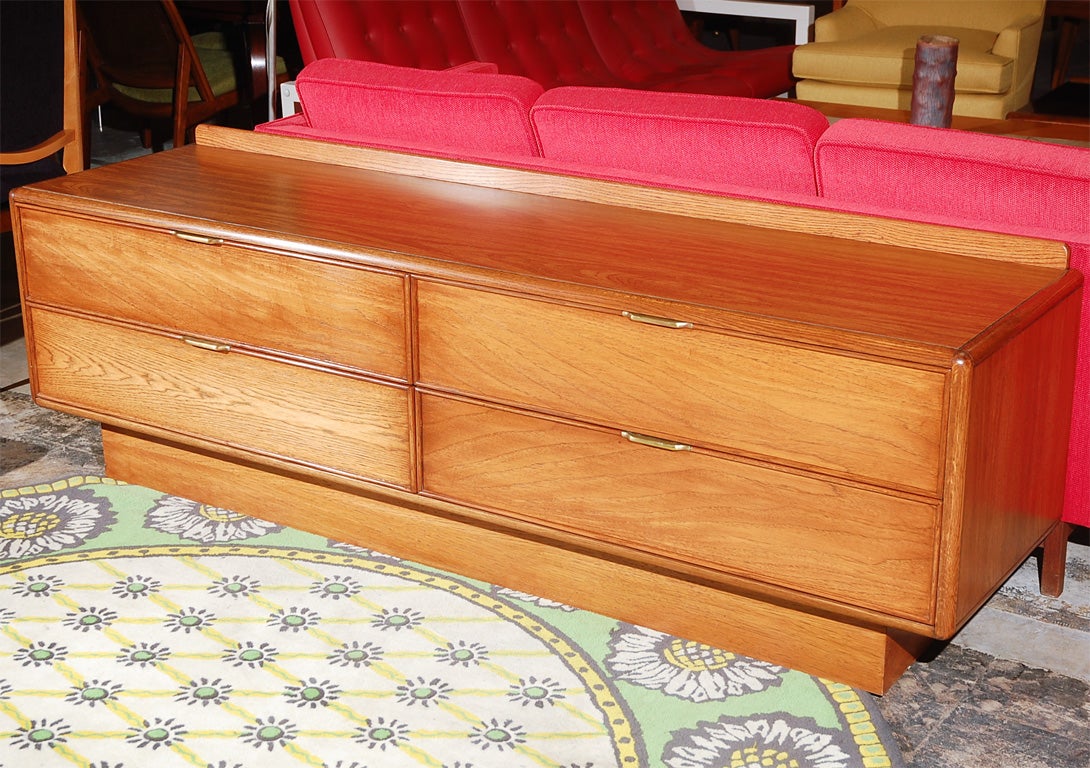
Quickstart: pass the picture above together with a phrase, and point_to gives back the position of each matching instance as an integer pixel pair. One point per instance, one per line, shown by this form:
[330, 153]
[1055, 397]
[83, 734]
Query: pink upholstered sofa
[641, 44]
[758, 149]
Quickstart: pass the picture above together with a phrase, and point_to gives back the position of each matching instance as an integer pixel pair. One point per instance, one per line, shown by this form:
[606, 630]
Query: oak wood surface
[315, 309]
[904, 295]
[876, 550]
[342, 422]
[851, 416]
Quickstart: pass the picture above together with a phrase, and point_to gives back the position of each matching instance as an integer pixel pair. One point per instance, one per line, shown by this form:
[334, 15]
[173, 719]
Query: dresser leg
[1052, 562]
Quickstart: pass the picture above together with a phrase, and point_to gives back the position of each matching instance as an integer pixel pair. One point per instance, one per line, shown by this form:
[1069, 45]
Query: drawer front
[843, 543]
[323, 311]
[850, 416]
[324, 419]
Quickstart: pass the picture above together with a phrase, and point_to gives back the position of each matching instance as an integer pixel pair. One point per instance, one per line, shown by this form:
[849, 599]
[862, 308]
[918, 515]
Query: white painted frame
[802, 15]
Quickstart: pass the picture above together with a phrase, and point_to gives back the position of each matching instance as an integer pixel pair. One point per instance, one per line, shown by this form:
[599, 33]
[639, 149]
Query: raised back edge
[793, 218]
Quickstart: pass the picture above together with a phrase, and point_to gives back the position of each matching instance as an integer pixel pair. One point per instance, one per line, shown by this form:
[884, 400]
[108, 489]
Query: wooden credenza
[816, 450]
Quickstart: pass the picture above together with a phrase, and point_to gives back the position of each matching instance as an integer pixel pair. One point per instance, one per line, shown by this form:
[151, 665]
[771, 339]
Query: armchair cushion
[886, 57]
[864, 53]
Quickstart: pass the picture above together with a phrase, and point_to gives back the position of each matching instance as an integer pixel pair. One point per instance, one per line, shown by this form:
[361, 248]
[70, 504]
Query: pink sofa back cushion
[994, 179]
[696, 137]
[453, 113]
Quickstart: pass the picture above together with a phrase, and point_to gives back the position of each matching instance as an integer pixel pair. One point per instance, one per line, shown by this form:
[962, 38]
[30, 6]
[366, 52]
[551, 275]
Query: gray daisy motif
[235, 586]
[204, 523]
[423, 692]
[313, 693]
[532, 692]
[249, 654]
[462, 653]
[382, 734]
[157, 733]
[686, 669]
[397, 619]
[89, 619]
[136, 587]
[294, 619]
[143, 654]
[40, 654]
[204, 692]
[37, 585]
[501, 736]
[356, 654]
[41, 734]
[93, 693]
[269, 733]
[784, 741]
[37, 522]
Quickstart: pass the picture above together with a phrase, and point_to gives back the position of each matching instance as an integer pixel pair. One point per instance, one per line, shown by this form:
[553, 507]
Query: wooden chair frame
[70, 139]
[182, 113]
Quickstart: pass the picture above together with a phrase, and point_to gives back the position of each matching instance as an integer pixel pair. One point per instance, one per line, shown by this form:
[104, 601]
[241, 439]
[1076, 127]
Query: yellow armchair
[864, 52]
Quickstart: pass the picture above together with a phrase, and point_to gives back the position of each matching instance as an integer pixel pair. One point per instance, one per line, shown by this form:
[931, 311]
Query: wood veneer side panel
[795, 218]
[1016, 451]
[810, 643]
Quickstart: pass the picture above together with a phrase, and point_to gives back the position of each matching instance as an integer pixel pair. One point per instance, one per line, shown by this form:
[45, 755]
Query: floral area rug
[140, 629]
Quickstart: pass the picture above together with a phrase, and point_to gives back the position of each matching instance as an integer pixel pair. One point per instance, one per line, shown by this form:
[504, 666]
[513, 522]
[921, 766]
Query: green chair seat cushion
[218, 65]
[886, 58]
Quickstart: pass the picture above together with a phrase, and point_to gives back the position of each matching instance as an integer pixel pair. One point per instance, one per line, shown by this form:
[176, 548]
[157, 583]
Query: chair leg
[1052, 562]
[181, 96]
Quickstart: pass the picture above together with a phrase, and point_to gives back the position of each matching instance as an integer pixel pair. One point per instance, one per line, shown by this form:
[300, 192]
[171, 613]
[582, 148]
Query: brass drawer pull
[189, 237]
[211, 346]
[661, 322]
[654, 442]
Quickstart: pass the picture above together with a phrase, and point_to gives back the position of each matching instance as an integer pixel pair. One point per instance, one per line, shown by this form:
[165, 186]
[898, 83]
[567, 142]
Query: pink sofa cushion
[453, 113]
[701, 138]
[999, 180]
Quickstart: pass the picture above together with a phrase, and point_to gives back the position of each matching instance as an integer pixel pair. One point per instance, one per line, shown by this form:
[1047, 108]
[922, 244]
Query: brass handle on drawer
[662, 322]
[211, 346]
[189, 237]
[654, 442]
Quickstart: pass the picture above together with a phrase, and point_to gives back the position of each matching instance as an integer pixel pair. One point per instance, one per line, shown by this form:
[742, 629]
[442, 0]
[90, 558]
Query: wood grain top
[428, 226]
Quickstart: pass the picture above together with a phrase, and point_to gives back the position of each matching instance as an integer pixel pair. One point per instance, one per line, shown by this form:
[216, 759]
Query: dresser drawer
[845, 543]
[323, 311]
[850, 416]
[320, 418]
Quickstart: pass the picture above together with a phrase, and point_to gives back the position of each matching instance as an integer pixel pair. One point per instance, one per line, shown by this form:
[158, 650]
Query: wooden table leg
[1052, 562]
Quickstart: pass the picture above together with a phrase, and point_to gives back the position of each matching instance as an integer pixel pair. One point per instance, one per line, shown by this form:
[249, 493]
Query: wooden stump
[933, 81]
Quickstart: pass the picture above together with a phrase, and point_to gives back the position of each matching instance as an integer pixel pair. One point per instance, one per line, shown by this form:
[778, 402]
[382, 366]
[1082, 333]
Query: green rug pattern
[141, 629]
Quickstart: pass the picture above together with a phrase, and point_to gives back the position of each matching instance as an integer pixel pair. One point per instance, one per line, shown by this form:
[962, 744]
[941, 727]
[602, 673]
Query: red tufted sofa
[641, 44]
[768, 150]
